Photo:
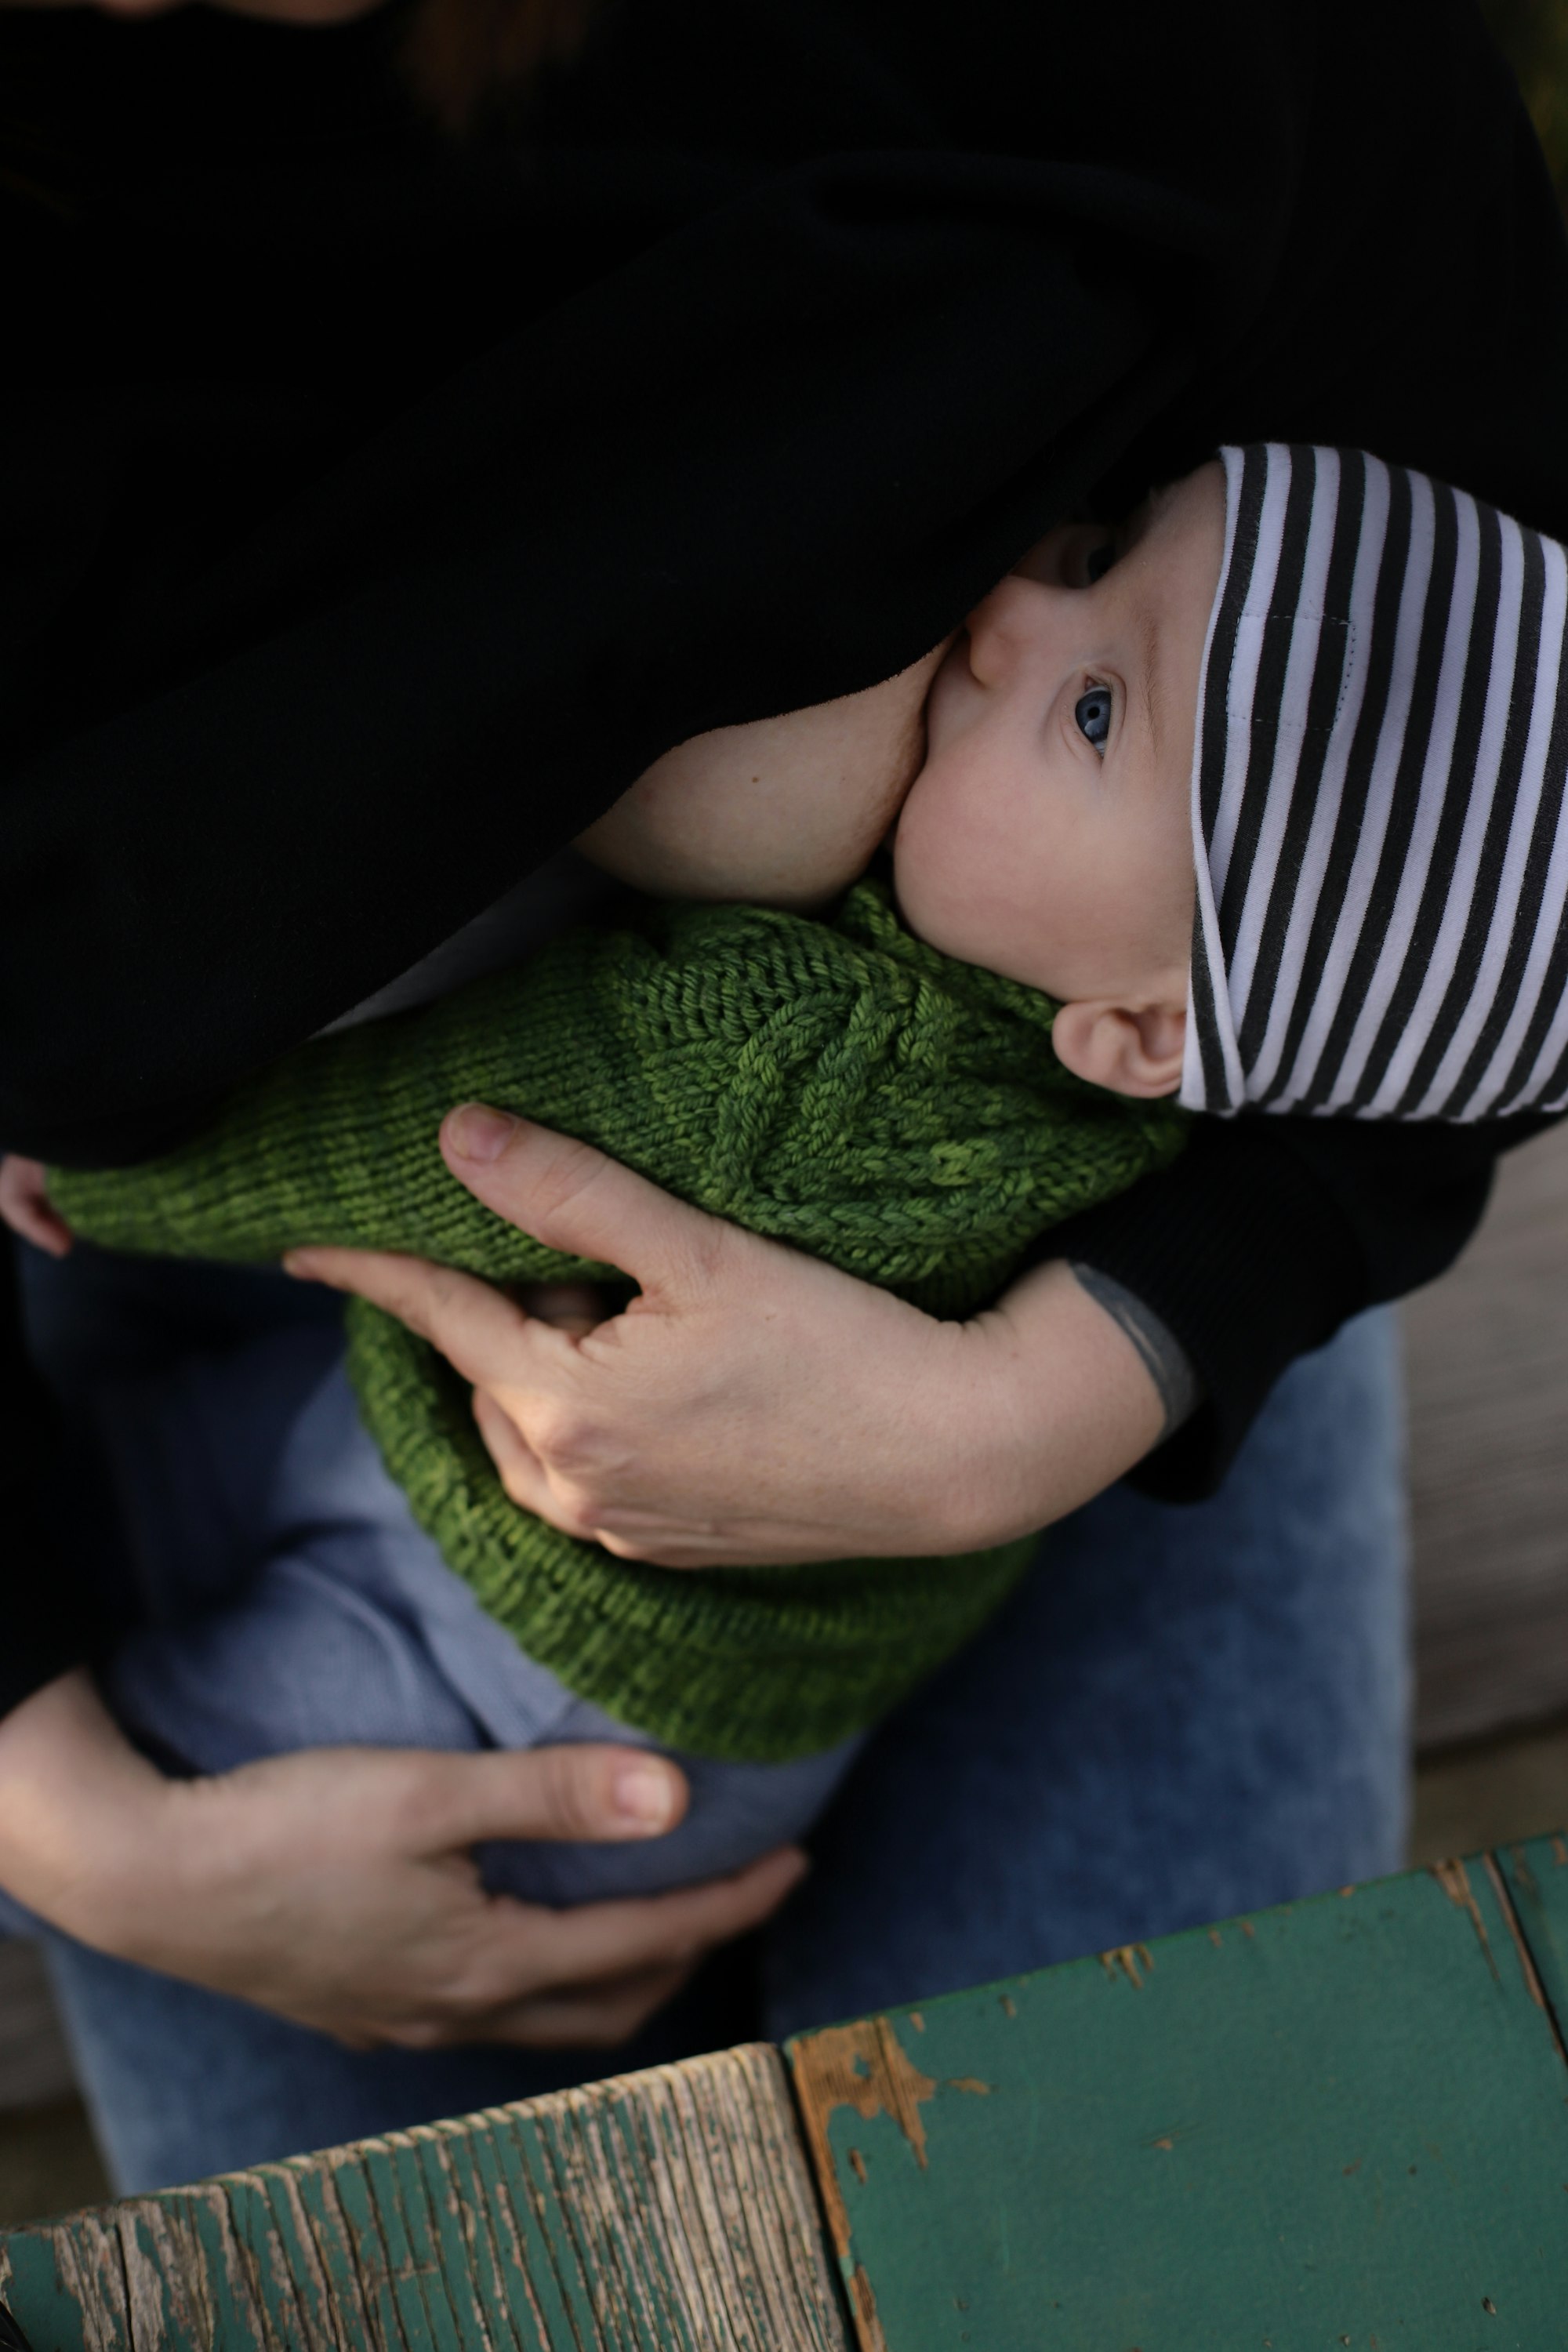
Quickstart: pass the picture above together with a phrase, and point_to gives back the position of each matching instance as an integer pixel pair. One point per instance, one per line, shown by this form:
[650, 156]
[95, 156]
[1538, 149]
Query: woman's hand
[336, 1886]
[26, 1206]
[753, 1405]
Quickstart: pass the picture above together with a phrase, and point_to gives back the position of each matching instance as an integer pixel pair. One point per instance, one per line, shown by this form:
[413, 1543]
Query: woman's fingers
[599, 2018]
[26, 1206]
[518, 1467]
[527, 1951]
[598, 1793]
[574, 1199]
[484, 1335]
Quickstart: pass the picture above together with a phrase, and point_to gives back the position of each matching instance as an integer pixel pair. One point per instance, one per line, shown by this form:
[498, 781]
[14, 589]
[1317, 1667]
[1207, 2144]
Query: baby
[1042, 826]
[1262, 788]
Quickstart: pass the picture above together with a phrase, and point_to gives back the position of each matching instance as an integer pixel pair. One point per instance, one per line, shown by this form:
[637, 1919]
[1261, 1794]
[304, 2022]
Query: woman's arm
[336, 1886]
[753, 1405]
[1269, 1233]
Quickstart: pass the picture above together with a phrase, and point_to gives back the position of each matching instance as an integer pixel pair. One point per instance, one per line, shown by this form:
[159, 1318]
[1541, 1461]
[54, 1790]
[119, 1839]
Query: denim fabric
[1184, 1712]
[283, 1597]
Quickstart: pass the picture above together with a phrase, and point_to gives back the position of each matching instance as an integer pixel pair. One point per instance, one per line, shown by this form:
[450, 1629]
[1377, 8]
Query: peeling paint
[1523, 1873]
[1009, 2005]
[1455, 1881]
[863, 2305]
[1510, 1919]
[970, 2083]
[1532, 1983]
[861, 2066]
[1125, 1956]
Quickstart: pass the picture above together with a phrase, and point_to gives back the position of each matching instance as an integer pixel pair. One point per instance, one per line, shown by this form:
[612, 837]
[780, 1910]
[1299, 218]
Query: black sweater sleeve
[1265, 1237]
[376, 509]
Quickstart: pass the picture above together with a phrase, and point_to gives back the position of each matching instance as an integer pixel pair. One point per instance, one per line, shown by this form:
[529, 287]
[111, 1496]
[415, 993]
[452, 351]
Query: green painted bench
[1339, 2123]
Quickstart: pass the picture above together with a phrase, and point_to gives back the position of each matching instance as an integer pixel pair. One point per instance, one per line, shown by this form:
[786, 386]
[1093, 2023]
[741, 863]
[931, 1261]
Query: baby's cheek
[917, 878]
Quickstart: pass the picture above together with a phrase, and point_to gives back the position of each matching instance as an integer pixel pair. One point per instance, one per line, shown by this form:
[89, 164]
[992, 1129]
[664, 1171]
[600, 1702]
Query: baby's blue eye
[1091, 712]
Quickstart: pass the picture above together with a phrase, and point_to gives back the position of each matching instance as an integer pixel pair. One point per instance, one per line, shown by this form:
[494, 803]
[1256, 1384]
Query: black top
[377, 506]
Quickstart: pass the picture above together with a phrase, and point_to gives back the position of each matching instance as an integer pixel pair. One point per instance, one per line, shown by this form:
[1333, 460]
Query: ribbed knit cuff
[1241, 1250]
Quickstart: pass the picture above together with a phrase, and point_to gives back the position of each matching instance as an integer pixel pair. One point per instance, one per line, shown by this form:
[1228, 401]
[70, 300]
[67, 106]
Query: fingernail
[300, 1265]
[644, 1795]
[476, 1133]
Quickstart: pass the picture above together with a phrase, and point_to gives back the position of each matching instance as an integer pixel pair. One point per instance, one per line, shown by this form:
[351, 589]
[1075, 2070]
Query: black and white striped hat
[1378, 801]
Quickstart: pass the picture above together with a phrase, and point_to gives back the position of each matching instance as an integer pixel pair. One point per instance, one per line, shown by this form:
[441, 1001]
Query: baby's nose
[1013, 628]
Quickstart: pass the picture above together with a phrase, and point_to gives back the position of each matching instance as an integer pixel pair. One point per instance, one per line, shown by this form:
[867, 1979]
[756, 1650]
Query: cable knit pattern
[836, 1085]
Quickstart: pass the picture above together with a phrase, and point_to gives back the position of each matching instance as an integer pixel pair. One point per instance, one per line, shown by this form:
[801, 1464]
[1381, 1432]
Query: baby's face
[1047, 835]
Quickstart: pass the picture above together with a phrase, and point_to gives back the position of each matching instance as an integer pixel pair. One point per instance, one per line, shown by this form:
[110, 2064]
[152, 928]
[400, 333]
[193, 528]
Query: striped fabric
[1377, 801]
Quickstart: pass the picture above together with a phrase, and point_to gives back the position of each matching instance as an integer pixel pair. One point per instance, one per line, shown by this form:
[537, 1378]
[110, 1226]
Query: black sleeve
[1265, 1237]
[41, 1627]
[312, 659]
[373, 514]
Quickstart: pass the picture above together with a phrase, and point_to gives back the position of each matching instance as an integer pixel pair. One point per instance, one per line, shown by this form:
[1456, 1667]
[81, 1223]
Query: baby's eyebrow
[1149, 679]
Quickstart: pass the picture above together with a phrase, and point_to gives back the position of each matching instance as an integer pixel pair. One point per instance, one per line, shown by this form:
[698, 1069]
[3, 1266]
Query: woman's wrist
[1058, 1403]
[80, 1811]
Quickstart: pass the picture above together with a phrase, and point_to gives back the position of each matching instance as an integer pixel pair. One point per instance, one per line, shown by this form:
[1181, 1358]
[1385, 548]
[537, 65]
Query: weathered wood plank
[1486, 1356]
[1340, 2122]
[666, 2209]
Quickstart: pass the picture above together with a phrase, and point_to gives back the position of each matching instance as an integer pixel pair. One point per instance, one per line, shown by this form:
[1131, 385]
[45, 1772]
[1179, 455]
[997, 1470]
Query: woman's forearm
[80, 1811]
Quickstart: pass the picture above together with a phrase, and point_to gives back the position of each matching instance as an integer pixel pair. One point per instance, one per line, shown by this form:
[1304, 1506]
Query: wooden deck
[1341, 2122]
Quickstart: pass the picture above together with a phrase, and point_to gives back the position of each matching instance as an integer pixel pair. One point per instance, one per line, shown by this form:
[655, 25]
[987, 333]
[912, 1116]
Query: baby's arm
[25, 1207]
[783, 811]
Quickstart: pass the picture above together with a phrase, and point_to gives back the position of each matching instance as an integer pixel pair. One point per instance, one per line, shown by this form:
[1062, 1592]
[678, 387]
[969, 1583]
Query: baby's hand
[24, 1204]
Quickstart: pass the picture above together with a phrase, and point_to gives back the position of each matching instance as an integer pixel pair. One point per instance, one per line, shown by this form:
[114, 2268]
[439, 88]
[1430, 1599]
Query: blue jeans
[1184, 1712]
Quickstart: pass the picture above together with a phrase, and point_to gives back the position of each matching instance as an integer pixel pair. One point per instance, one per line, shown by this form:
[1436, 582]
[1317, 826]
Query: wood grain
[671, 2209]
[1487, 1350]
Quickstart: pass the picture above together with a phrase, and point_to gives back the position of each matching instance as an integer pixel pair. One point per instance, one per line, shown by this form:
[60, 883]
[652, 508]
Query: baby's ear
[1130, 1049]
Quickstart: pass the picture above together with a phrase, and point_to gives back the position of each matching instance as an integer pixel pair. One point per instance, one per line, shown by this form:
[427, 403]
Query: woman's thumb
[577, 1200]
[563, 1792]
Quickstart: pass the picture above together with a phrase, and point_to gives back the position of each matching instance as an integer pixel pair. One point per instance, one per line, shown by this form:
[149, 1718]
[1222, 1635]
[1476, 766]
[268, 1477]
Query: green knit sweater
[835, 1085]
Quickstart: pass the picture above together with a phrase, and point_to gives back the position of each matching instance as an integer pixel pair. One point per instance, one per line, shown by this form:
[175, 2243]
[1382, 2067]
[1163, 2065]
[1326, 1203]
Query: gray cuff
[1165, 1359]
